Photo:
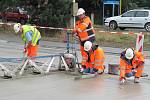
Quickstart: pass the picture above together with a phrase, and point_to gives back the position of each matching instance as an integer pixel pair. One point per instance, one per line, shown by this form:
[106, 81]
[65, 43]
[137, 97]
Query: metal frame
[50, 62]
[27, 61]
[61, 60]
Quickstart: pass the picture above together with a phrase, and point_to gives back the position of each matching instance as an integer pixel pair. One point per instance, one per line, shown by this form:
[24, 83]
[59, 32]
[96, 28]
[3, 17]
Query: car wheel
[147, 27]
[113, 25]
[122, 28]
[22, 21]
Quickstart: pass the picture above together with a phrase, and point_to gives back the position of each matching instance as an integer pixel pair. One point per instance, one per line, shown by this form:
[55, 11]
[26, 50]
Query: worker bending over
[93, 59]
[30, 36]
[131, 64]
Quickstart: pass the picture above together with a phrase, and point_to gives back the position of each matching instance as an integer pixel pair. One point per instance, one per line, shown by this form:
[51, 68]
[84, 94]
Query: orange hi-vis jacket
[85, 29]
[126, 66]
[94, 59]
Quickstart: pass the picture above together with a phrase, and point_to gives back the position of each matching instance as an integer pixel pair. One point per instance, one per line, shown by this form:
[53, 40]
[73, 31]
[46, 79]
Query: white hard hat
[80, 11]
[17, 27]
[87, 45]
[129, 53]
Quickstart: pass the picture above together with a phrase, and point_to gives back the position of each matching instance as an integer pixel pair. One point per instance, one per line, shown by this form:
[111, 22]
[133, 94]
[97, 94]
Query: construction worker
[30, 36]
[131, 64]
[93, 59]
[84, 29]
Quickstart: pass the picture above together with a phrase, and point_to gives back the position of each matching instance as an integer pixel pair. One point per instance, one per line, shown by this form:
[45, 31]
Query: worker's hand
[140, 63]
[122, 80]
[74, 31]
[83, 66]
[95, 70]
[81, 69]
[29, 44]
[76, 36]
[100, 71]
[25, 50]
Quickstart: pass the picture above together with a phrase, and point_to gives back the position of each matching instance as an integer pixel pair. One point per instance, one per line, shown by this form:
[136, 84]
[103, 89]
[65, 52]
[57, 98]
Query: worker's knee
[130, 74]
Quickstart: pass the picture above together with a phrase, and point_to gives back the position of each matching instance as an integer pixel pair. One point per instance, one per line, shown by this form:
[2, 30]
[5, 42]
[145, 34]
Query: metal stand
[61, 60]
[39, 68]
[74, 47]
[29, 61]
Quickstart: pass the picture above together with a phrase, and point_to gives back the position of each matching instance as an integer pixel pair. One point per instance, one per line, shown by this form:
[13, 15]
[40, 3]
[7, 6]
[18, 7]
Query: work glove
[80, 70]
[74, 31]
[100, 71]
[122, 80]
[95, 70]
[76, 36]
[83, 66]
[25, 50]
[140, 63]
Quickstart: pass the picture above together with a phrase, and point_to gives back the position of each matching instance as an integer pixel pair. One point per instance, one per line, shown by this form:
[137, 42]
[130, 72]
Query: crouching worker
[131, 64]
[93, 59]
[29, 35]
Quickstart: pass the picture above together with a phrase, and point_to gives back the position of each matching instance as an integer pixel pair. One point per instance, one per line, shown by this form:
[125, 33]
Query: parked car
[15, 14]
[137, 18]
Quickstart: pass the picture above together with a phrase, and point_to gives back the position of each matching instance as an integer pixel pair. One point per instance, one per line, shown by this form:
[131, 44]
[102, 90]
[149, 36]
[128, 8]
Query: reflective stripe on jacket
[35, 37]
[95, 59]
[126, 66]
[85, 29]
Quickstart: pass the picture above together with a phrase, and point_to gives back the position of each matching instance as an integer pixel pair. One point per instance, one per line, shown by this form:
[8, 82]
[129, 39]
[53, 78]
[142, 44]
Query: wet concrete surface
[61, 86]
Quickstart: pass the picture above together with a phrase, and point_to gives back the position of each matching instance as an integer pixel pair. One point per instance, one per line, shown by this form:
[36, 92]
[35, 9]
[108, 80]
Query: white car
[138, 18]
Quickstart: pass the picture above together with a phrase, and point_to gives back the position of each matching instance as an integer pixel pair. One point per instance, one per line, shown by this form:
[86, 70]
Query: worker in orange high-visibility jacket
[131, 64]
[30, 36]
[93, 59]
[84, 29]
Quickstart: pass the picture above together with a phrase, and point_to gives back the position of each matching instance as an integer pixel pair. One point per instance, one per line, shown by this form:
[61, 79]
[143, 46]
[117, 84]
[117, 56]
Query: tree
[58, 12]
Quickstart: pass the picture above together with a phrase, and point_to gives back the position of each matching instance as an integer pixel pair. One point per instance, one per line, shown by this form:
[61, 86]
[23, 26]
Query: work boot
[136, 80]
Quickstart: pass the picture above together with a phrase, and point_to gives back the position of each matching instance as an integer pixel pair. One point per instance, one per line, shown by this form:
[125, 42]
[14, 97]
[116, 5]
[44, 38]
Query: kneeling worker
[93, 59]
[131, 64]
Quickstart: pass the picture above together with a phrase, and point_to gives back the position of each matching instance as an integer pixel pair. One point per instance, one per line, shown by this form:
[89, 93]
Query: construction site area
[55, 84]
[74, 50]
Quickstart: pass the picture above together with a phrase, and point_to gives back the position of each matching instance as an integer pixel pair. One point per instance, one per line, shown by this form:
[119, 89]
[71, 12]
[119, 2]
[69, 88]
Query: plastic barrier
[140, 42]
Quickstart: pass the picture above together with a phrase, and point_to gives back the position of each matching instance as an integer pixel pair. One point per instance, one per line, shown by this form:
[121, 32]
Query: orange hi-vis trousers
[126, 68]
[32, 51]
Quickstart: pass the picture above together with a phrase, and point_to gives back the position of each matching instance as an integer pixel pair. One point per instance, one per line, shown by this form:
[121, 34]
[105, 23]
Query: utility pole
[120, 7]
[74, 11]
